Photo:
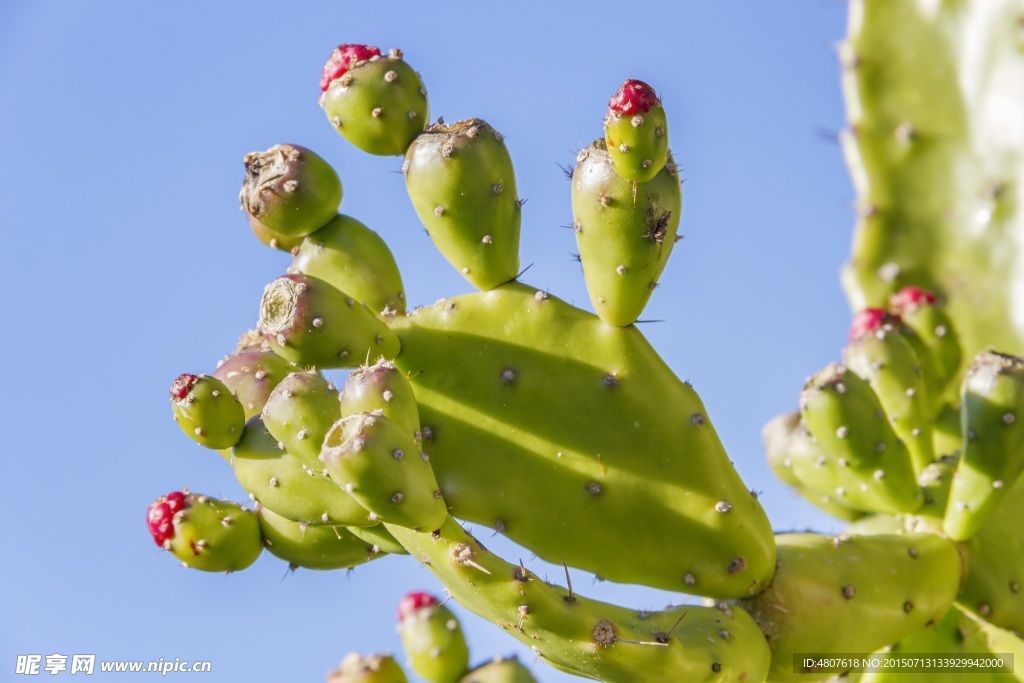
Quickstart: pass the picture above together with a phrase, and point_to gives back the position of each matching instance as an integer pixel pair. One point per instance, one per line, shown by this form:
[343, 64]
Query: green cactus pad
[378, 462]
[313, 547]
[888, 362]
[859, 446]
[500, 670]
[379, 106]
[215, 535]
[281, 482]
[434, 644]
[625, 232]
[355, 260]
[586, 637]
[993, 453]
[462, 185]
[207, 411]
[300, 412]
[251, 376]
[935, 151]
[309, 322]
[381, 386]
[828, 597]
[356, 668]
[529, 404]
[290, 189]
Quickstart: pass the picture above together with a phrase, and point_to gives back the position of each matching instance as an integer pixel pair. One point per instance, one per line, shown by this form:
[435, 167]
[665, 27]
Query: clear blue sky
[128, 262]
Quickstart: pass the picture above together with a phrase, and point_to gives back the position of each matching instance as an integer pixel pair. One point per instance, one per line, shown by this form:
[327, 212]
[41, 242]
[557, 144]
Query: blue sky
[128, 262]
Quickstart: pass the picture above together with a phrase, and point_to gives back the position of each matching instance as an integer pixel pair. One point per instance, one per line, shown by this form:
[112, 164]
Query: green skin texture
[401, 103]
[992, 411]
[562, 628]
[290, 190]
[355, 260]
[933, 326]
[272, 239]
[300, 412]
[210, 414]
[624, 242]
[888, 362]
[894, 593]
[215, 535]
[638, 464]
[251, 376]
[646, 139]
[378, 537]
[846, 419]
[934, 150]
[462, 185]
[500, 670]
[372, 669]
[313, 547]
[434, 644]
[382, 386]
[311, 323]
[279, 481]
[376, 461]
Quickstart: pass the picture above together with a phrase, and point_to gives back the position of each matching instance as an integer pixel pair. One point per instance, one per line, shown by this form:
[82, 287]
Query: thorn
[568, 582]
[566, 170]
[520, 273]
[644, 322]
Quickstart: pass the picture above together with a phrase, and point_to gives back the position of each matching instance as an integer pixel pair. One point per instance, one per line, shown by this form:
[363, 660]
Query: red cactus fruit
[633, 97]
[182, 385]
[342, 59]
[413, 602]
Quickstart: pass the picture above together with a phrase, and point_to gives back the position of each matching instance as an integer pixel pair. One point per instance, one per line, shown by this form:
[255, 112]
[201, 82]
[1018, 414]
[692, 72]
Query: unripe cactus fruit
[381, 386]
[500, 670]
[625, 232]
[290, 189]
[356, 668]
[924, 314]
[313, 547]
[377, 102]
[432, 638]
[376, 461]
[636, 132]
[309, 322]
[271, 238]
[207, 411]
[353, 258]
[251, 376]
[204, 533]
[462, 185]
[300, 412]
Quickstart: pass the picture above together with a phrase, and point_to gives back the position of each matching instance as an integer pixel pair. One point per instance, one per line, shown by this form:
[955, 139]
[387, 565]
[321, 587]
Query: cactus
[566, 432]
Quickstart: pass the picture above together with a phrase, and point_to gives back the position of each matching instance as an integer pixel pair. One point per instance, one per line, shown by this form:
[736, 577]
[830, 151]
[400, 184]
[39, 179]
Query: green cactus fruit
[356, 668]
[585, 637]
[794, 457]
[887, 361]
[281, 482]
[205, 533]
[935, 481]
[432, 638]
[827, 591]
[500, 670]
[995, 568]
[462, 185]
[313, 547]
[311, 323]
[922, 312]
[377, 103]
[636, 132]
[625, 232]
[957, 636]
[992, 410]
[946, 432]
[251, 376]
[844, 416]
[355, 260]
[545, 407]
[272, 239]
[381, 386]
[290, 190]
[299, 413]
[378, 462]
[378, 539]
[207, 411]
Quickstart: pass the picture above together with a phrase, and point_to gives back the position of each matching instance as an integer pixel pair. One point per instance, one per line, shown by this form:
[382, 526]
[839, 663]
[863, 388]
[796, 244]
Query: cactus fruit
[355, 260]
[356, 668]
[922, 312]
[432, 638]
[500, 670]
[993, 451]
[826, 591]
[290, 190]
[462, 185]
[378, 539]
[207, 411]
[378, 462]
[251, 376]
[273, 239]
[309, 322]
[313, 547]
[625, 232]
[377, 102]
[205, 533]
[636, 132]
[299, 413]
[383, 387]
